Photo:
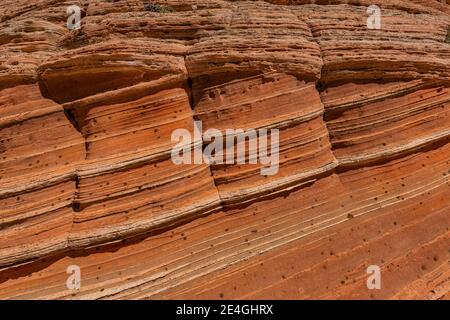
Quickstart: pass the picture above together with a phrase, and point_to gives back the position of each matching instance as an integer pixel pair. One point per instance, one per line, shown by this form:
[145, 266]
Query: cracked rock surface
[86, 176]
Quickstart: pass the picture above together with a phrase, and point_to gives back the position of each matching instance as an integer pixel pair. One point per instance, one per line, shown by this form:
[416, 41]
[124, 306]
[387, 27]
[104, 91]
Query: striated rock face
[87, 176]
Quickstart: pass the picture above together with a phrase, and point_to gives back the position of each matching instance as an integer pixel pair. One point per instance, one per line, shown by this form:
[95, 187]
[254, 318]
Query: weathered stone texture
[86, 175]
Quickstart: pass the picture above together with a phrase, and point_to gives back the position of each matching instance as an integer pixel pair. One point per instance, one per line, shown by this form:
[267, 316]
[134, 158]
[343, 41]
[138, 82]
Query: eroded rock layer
[87, 176]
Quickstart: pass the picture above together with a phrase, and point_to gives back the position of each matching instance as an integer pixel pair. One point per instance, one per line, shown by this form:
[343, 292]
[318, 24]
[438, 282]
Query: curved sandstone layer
[360, 176]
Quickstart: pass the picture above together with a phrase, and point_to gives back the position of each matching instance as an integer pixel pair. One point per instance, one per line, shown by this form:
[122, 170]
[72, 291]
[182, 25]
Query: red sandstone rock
[41, 152]
[86, 175]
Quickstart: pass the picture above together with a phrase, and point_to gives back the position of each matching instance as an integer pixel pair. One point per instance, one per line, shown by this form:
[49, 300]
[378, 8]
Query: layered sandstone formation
[87, 179]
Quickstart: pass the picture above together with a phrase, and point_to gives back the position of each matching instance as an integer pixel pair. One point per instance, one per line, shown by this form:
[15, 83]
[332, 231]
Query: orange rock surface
[87, 179]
